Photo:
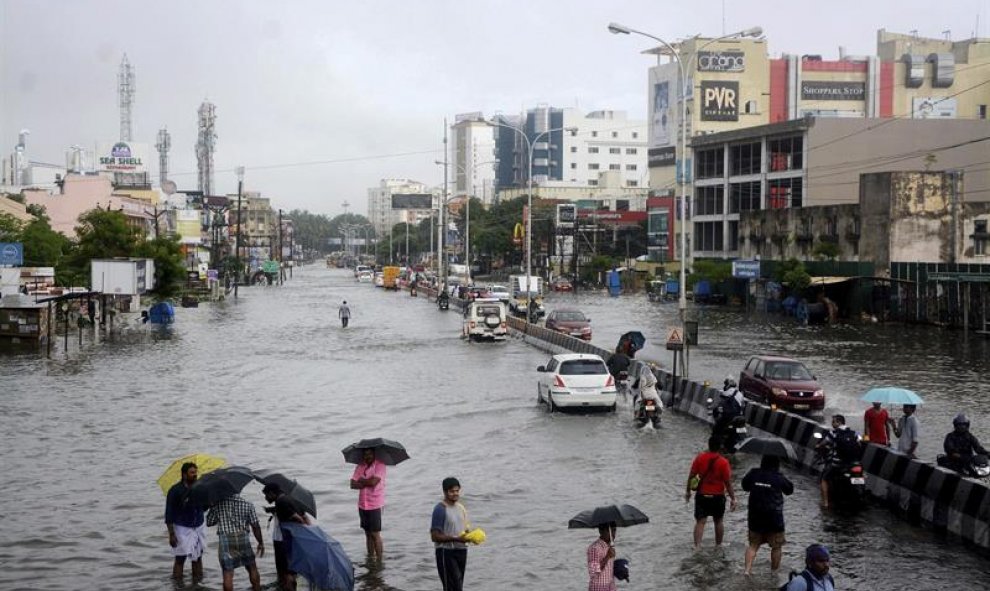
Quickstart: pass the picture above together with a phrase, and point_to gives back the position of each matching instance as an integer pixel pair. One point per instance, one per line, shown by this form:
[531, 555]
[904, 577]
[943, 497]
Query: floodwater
[272, 381]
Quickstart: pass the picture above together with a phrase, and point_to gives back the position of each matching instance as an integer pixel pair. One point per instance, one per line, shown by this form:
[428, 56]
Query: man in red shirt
[715, 482]
[876, 424]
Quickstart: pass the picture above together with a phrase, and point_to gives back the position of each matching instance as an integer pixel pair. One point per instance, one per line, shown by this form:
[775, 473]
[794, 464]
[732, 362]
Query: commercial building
[473, 158]
[817, 161]
[79, 193]
[419, 199]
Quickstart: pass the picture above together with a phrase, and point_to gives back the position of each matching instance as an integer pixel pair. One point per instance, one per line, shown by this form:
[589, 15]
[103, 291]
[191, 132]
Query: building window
[593, 150]
[615, 150]
[744, 197]
[745, 158]
[785, 153]
[710, 163]
[752, 108]
[594, 134]
[573, 149]
[615, 134]
[983, 111]
[709, 200]
[708, 236]
[733, 235]
[832, 226]
[573, 164]
[784, 193]
[573, 133]
[632, 183]
[635, 135]
[630, 167]
[980, 238]
[592, 182]
[593, 166]
[614, 166]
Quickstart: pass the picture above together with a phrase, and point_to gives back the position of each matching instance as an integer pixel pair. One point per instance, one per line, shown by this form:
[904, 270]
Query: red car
[561, 284]
[783, 382]
[570, 321]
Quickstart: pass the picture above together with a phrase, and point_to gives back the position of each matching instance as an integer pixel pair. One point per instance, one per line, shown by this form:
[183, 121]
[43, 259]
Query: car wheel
[551, 407]
[539, 395]
[613, 407]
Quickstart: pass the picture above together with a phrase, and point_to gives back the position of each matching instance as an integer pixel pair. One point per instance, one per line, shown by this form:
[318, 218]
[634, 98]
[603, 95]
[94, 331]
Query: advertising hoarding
[122, 156]
[664, 116]
[721, 61]
[658, 157]
[820, 90]
[719, 100]
[11, 254]
[933, 107]
[188, 226]
[566, 213]
[412, 201]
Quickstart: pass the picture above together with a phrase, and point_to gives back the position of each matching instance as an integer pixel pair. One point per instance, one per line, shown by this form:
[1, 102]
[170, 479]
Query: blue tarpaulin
[318, 557]
[614, 283]
[161, 313]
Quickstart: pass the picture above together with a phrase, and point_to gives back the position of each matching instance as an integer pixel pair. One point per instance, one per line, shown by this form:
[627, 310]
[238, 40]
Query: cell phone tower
[125, 97]
[205, 145]
[163, 145]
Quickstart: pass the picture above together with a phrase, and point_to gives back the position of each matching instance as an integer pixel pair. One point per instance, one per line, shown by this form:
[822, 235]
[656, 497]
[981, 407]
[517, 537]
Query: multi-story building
[422, 201]
[257, 224]
[473, 157]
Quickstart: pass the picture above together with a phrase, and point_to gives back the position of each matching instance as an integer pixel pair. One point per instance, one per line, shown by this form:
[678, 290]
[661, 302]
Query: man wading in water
[184, 520]
[344, 313]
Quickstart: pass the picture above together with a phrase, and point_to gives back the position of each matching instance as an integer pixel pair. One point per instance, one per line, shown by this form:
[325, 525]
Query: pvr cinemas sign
[719, 100]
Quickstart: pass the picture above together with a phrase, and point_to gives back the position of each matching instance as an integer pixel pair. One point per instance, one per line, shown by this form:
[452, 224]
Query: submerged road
[273, 382]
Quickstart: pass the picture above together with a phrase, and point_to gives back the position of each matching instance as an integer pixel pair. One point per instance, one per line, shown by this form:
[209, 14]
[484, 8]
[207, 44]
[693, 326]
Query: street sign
[213, 274]
[675, 339]
[746, 269]
[11, 253]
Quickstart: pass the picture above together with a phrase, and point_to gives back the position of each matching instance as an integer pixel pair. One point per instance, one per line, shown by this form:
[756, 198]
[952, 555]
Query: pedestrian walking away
[601, 558]
[908, 432]
[233, 518]
[369, 479]
[815, 576]
[876, 425]
[344, 313]
[185, 523]
[447, 529]
[765, 515]
[283, 510]
[711, 480]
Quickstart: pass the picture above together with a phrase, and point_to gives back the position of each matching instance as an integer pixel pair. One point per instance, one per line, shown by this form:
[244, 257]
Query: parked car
[485, 318]
[783, 382]
[570, 321]
[562, 284]
[575, 380]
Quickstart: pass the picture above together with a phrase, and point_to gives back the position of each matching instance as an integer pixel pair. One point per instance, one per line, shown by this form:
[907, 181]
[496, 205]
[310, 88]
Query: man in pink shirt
[601, 555]
[369, 478]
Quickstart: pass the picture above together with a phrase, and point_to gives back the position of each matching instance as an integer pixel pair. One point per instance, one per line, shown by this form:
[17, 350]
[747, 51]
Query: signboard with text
[659, 157]
[819, 90]
[412, 201]
[11, 254]
[122, 156]
[719, 100]
[746, 269]
[721, 61]
[933, 108]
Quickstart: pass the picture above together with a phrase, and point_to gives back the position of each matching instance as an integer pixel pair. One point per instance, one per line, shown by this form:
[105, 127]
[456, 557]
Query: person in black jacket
[961, 445]
[766, 487]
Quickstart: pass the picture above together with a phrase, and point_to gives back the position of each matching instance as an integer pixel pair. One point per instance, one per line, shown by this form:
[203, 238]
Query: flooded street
[273, 382]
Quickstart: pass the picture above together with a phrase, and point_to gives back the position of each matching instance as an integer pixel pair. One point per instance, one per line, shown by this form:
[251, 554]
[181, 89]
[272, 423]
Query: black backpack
[807, 580]
[730, 407]
[847, 445]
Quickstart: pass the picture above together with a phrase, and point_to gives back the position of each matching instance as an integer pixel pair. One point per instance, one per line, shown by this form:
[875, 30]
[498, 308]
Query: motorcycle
[731, 432]
[622, 382]
[647, 411]
[977, 465]
[847, 480]
[443, 303]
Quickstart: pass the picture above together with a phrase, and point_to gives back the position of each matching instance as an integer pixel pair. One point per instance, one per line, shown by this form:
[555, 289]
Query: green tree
[793, 274]
[10, 228]
[101, 235]
[714, 271]
[826, 251]
[44, 247]
[170, 269]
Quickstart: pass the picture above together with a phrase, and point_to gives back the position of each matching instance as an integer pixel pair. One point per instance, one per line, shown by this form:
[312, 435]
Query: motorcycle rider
[617, 363]
[729, 406]
[647, 390]
[839, 447]
[443, 300]
[961, 445]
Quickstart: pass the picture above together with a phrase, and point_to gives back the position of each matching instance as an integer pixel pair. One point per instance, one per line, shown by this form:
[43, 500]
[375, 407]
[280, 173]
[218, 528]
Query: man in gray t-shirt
[908, 432]
[447, 529]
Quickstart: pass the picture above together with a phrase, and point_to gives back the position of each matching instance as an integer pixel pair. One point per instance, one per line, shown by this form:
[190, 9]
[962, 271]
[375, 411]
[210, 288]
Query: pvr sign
[719, 100]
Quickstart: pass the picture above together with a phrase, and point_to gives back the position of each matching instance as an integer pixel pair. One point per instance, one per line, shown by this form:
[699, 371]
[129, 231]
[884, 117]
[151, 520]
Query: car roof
[486, 301]
[567, 310]
[577, 356]
[775, 358]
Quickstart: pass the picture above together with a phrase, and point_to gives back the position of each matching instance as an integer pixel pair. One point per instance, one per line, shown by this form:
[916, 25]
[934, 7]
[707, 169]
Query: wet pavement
[273, 382]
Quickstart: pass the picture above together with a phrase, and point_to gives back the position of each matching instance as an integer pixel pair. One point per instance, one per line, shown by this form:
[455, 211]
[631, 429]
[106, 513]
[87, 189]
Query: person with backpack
[710, 479]
[766, 487]
[840, 446]
[815, 576]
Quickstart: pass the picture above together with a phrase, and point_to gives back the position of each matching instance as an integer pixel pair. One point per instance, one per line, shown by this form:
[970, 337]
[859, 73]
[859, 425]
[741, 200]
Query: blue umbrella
[892, 395]
[318, 557]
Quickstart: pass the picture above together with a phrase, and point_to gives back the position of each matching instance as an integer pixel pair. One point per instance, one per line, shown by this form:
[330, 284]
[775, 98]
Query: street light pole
[237, 240]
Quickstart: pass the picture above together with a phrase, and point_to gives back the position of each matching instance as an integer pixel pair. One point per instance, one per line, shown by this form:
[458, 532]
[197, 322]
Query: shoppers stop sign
[719, 100]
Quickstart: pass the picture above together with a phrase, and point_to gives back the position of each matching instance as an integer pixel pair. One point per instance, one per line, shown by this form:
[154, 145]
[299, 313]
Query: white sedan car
[500, 291]
[576, 380]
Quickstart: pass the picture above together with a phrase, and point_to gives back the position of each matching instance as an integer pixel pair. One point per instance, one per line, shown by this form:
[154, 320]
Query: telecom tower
[125, 97]
[205, 145]
[163, 145]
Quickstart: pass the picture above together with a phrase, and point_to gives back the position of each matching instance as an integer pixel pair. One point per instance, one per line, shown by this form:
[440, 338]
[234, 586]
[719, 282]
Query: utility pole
[237, 241]
[441, 230]
[281, 271]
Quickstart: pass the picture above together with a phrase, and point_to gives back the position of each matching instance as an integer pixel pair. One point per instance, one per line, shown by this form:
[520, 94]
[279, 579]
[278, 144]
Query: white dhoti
[190, 541]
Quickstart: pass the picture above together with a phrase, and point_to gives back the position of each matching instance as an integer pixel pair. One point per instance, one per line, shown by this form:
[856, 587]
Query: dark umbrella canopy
[767, 447]
[220, 484]
[318, 557]
[387, 451]
[635, 338]
[620, 515]
[295, 491]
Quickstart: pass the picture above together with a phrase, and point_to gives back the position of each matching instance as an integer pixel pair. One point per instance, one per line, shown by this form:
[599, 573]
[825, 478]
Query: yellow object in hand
[474, 536]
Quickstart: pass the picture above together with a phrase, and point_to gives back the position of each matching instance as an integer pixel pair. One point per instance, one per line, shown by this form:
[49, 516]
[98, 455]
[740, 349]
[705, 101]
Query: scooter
[977, 466]
[847, 481]
[646, 411]
[443, 303]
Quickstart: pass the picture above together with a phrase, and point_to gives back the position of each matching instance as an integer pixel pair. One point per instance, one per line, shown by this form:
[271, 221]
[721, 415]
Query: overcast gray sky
[325, 80]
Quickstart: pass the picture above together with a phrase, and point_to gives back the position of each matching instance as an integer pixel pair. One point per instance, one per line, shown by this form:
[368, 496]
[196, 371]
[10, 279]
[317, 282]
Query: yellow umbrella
[204, 463]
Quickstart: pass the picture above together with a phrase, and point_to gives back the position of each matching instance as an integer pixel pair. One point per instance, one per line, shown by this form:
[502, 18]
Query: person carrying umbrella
[184, 520]
[447, 528]
[233, 516]
[876, 425]
[766, 487]
[285, 510]
[908, 431]
[602, 566]
[601, 558]
[369, 479]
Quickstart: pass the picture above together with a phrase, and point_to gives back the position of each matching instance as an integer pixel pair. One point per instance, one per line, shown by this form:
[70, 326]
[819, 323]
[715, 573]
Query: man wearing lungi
[233, 517]
[184, 520]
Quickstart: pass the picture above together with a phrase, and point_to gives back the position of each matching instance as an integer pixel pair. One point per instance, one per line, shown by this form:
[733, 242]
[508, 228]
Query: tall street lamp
[237, 241]
[682, 68]
[530, 144]
[467, 214]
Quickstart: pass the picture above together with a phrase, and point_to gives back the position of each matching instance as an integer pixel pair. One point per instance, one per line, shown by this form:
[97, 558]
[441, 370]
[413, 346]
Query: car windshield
[571, 317]
[583, 367]
[488, 311]
[788, 371]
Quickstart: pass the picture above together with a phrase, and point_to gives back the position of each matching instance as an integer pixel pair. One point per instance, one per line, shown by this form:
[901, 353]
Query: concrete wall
[781, 234]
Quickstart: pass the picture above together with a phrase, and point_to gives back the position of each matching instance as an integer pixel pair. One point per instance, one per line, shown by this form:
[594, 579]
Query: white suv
[575, 380]
[484, 318]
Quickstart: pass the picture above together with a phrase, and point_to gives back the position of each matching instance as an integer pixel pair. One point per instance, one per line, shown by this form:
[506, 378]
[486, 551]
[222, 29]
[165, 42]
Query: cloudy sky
[320, 99]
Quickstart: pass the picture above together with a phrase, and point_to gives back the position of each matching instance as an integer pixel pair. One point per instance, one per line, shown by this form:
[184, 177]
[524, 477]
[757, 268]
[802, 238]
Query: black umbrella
[295, 491]
[635, 338]
[619, 515]
[767, 447]
[387, 451]
[220, 484]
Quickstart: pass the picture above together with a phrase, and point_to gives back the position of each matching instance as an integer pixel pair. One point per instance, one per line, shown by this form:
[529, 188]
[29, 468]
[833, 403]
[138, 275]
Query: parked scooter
[976, 466]
[847, 480]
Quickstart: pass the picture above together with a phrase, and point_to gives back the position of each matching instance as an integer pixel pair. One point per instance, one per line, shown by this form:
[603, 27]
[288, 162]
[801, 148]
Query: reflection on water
[273, 382]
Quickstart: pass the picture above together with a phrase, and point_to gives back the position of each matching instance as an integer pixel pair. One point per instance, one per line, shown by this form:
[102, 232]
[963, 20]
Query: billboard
[666, 156]
[719, 100]
[122, 156]
[11, 254]
[820, 90]
[412, 201]
[566, 213]
[664, 116]
[721, 61]
[933, 107]
[188, 226]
